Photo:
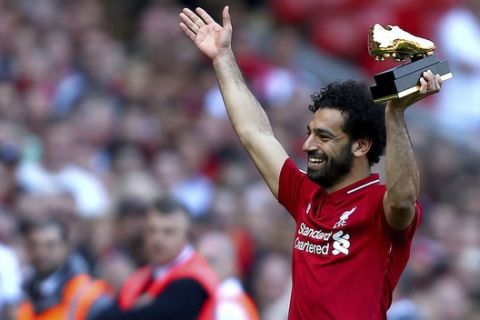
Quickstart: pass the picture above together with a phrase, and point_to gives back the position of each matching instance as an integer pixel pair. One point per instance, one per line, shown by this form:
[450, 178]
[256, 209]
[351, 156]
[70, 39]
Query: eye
[324, 138]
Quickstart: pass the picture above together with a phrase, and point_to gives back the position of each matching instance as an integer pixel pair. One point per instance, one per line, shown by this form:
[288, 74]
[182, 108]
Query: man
[231, 301]
[59, 287]
[353, 235]
[177, 283]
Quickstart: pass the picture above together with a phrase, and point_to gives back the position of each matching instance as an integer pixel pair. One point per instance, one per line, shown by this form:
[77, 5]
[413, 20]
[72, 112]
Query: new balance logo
[341, 243]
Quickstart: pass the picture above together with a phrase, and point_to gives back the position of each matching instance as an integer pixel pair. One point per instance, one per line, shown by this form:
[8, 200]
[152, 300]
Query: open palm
[210, 38]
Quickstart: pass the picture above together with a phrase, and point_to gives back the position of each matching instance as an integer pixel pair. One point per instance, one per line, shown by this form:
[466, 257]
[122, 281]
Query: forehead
[173, 219]
[45, 233]
[327, 118]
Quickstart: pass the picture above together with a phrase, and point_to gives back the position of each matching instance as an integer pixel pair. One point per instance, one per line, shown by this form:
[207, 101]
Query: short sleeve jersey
[346, 258]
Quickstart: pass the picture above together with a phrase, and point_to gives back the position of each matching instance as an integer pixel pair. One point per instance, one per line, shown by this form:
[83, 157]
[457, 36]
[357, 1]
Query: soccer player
[353, 235]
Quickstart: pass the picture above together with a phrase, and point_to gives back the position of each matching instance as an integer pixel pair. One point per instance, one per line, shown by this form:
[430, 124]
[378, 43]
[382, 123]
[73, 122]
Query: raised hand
[210, 38]
[429, 84]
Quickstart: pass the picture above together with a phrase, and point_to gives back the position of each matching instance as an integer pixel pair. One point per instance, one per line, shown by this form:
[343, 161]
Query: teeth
[315, 161]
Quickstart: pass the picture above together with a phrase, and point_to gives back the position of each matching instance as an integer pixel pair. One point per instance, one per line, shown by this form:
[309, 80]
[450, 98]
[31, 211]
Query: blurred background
[106, 105]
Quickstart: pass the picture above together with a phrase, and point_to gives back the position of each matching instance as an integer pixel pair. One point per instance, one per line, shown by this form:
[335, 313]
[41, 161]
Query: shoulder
[197, 269]
[186, 287]
[140, 274]
[290, 167]
[136, 280]
[292, 176]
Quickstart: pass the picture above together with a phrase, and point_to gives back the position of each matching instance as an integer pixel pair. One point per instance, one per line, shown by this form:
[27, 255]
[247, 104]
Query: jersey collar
[186, 253]
[360, 185]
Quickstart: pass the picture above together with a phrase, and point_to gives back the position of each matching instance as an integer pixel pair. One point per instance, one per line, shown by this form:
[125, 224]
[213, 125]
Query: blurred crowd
[106, 106]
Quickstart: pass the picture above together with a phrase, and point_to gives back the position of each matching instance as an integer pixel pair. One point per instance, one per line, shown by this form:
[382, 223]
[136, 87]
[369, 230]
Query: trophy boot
[393, 42]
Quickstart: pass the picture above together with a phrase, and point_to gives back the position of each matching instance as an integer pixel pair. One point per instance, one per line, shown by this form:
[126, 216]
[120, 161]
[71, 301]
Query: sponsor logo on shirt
[340, 244]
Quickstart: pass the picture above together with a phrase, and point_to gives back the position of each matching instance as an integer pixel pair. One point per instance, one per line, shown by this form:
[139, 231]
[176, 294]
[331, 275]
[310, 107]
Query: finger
[431, 81]
[423, 86]
[439, 80]
[187, 31]
[436, 84]
[204, 15]
[195, 19]
[428, 76]
[227, 22]
[188, 22]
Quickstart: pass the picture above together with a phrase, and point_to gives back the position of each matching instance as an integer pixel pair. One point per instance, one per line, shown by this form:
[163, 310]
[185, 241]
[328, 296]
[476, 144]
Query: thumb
[227, 23]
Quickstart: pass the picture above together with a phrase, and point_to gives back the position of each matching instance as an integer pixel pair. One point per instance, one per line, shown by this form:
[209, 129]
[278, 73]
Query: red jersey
[346, 258]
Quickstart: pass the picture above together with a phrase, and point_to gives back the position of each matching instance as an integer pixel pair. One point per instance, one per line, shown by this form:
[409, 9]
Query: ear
[361, 147]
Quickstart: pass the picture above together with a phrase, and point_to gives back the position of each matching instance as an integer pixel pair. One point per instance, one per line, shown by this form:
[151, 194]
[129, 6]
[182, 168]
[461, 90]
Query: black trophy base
[401, 81]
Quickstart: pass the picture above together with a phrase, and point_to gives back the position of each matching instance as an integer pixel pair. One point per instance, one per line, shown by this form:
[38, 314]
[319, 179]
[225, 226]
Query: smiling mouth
[315, 161]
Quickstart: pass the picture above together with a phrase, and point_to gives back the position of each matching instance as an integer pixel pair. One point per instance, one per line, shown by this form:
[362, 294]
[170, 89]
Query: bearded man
[353, 234]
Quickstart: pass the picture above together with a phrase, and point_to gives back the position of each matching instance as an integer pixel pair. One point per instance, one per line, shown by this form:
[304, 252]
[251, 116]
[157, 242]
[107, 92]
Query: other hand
[210, 38]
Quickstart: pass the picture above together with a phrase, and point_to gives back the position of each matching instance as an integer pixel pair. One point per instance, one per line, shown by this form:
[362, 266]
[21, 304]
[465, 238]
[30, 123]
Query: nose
[309, 144]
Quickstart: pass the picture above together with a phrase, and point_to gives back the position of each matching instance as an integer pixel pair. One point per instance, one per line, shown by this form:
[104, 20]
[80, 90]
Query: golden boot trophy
[392, 42]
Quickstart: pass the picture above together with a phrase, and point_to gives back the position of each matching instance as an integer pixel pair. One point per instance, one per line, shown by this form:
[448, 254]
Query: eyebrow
[320, 131]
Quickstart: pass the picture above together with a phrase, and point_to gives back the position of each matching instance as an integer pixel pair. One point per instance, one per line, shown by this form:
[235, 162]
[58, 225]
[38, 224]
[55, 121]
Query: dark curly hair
[363, 118]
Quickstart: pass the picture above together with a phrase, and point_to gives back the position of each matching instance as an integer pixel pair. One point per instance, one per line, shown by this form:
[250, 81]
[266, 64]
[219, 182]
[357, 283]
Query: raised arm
[402, 177]
[246, 114]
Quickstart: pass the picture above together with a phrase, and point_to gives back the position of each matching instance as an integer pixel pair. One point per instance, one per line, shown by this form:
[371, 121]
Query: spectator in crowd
[9, 156]
[129, 225]
[458, 106]
[59, 286]
[272, 284]
[231, 300]
[57, 173]
[115, 268]
[177, 283]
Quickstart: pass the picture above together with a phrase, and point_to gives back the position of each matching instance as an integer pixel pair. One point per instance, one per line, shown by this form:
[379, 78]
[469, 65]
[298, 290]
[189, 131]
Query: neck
[358, 172]
[45, 274]
[181, 257]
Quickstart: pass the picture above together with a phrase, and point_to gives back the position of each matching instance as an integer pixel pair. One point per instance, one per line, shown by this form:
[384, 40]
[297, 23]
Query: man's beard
[334, 169]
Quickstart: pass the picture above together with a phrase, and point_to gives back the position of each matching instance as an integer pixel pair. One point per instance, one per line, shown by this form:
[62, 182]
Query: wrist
[223, 55]
[394, 109]
[394, 114]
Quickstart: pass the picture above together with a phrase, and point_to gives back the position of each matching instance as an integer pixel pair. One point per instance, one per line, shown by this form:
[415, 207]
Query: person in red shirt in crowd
[177, 283]
[353, 235]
